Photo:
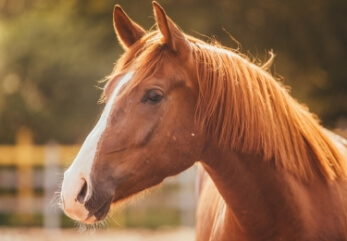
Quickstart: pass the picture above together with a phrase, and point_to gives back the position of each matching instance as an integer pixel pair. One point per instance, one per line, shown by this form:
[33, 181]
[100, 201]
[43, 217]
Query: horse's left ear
[172, 35]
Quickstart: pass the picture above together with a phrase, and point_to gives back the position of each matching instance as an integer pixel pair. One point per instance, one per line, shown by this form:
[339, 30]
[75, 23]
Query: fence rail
[25, 153]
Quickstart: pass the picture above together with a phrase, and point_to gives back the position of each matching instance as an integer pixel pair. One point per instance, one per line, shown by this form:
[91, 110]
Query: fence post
[24, 160]
[51, 181]
[186, 195]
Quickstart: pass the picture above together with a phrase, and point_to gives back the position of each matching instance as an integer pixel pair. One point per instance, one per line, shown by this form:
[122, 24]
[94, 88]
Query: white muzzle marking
[79, 172]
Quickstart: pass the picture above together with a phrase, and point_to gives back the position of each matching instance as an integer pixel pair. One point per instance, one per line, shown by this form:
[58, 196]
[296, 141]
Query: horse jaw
[77, 185]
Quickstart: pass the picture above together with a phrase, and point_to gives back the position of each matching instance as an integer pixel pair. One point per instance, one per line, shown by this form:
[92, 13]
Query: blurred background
[53, 52]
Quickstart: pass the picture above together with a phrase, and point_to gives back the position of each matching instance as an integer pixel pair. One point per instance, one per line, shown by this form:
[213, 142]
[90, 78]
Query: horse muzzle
[75, 192]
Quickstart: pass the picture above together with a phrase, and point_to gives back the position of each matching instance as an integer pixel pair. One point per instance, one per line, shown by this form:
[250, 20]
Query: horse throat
[256, 193]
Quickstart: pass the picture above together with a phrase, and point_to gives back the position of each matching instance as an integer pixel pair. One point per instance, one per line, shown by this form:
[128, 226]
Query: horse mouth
[99, 213]
[102, 212]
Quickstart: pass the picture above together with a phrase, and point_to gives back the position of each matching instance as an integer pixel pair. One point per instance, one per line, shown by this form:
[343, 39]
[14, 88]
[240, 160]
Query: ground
[37, 234]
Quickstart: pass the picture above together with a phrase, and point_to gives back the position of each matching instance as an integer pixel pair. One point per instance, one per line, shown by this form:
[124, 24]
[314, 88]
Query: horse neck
[256, 193]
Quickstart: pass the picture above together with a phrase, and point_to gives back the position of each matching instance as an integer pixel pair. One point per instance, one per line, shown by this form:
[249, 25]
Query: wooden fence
[26, 168]
[18, 163]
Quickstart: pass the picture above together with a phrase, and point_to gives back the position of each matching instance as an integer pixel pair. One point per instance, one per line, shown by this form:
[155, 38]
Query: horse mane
[250, 111]
[245, 108]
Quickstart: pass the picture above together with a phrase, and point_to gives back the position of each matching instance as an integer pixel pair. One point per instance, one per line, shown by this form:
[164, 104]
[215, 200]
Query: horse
[270, 171]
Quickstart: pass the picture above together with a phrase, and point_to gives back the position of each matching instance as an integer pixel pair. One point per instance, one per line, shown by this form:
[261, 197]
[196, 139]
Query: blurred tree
[53, 52]
[51, 58]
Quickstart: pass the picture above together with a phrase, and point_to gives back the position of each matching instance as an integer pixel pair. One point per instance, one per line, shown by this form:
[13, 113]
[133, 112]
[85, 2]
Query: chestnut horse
[270, 171]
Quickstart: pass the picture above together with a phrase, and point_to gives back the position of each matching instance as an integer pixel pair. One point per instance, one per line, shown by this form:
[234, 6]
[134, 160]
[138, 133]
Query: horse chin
[97, 212]
[103, 211]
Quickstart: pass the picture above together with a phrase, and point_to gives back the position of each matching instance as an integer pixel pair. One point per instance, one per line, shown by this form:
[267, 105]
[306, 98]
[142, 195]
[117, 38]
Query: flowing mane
[245, 107]
[270, 171]
[250, 111]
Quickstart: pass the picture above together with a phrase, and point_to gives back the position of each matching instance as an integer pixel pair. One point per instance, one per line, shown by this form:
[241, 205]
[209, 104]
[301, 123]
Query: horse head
[147, 130]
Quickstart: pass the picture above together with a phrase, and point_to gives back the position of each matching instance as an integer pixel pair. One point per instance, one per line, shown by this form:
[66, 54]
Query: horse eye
[153, 96]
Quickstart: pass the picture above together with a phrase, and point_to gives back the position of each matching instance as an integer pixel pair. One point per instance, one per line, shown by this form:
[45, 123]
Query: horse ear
[128, 31]
[172, 35]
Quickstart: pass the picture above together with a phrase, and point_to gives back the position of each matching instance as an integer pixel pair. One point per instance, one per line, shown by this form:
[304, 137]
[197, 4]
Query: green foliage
[27, 220]
[52, 53]
[149, 218]
[51, 61]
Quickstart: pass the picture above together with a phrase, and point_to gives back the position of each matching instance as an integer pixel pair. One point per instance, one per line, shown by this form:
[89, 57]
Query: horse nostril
[82, 195]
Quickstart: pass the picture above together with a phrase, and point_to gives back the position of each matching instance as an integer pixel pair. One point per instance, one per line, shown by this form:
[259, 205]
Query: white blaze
[82, 165]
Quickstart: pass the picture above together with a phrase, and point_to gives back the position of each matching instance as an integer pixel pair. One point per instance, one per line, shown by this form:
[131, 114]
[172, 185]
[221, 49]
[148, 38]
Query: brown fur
[245, 108]
[271, 172]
